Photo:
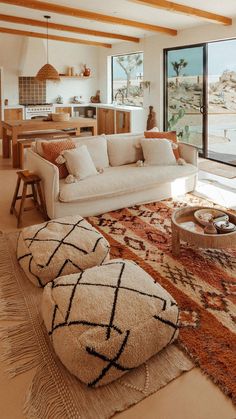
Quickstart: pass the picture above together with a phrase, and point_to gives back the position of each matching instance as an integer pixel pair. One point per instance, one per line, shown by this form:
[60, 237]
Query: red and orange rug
[203, 282]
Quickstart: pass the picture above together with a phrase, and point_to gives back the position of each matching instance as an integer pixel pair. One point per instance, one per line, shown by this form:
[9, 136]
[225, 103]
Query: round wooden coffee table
[186, 228]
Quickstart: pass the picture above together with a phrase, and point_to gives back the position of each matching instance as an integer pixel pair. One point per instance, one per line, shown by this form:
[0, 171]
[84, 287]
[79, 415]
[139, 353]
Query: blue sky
[221, 57]
[194, 58]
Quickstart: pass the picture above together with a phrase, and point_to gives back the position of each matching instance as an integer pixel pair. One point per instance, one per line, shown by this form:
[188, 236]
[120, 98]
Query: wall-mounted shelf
[75, 77]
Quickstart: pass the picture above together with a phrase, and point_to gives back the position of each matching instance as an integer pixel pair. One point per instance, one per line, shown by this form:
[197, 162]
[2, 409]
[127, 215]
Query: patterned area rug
[202, 281]
[54, 393]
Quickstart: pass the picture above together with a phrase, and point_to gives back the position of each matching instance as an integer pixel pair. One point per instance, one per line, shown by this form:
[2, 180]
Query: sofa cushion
[97, 147]
[51, 151]
[112, 312]
[60, 247]
[116, 181]
[169, 135]
[79, 163]
[37, 145]
[124, 149]
[157, 152]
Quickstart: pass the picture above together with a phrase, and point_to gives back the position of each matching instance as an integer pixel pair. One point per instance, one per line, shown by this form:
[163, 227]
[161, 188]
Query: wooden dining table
[11, 130]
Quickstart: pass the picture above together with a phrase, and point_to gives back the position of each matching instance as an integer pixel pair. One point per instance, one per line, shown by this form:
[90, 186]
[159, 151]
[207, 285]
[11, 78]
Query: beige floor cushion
[107, 320]
[60, 247]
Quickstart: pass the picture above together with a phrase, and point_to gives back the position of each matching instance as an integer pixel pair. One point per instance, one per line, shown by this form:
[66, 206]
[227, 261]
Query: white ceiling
[120, 8]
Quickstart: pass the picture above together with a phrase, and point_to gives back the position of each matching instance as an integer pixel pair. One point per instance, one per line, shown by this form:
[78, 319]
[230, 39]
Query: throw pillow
[158, 152]
[169, 135]
[79, 163]
[51, 151]
[37, 145]
[97, 148]
[124, 149]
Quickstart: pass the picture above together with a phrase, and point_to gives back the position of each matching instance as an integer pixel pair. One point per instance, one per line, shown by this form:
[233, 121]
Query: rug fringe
[42, 389]
[12, 302]
[19, 350]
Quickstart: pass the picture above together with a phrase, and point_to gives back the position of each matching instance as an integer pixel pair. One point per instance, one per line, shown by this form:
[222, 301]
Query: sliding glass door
[185, 93]
[200, 97]
[222, 101]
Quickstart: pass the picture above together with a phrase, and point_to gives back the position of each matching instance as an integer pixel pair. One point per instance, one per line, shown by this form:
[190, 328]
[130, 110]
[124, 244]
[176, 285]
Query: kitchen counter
[13, 107]
[99, 105]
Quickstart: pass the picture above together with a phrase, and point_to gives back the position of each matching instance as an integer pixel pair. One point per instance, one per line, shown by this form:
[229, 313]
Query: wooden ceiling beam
[61, 27]
[186, 10]
[84, 14]
[53, 37]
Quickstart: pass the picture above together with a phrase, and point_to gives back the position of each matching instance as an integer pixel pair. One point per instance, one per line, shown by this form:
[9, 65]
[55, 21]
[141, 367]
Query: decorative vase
[87, 71]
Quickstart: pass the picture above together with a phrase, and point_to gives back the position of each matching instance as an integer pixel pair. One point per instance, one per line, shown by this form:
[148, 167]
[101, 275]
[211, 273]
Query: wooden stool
[33, 180]
[22, 144]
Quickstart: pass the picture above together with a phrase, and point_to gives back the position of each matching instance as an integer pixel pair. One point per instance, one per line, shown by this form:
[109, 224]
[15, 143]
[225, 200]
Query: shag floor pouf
[107, 320]
[60, 247]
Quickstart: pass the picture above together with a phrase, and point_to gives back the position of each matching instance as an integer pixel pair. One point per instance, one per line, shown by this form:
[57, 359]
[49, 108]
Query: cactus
[184, 134]
[175, 118]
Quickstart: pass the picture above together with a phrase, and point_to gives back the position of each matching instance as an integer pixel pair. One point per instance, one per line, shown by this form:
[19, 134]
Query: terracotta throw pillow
[52, 150]
[169, 135]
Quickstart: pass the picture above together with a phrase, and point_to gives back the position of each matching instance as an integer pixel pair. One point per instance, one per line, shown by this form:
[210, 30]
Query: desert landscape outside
[185, 97]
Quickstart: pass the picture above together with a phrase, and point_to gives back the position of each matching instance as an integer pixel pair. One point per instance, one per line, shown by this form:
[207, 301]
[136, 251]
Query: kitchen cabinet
[64, 109]
[13, 114]
[106, 121]
[122, 121]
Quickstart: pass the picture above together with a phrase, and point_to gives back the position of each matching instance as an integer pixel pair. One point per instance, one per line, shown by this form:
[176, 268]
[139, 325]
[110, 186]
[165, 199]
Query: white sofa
[118, 186]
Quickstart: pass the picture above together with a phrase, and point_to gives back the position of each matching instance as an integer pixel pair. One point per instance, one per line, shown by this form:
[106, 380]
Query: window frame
[112, 79]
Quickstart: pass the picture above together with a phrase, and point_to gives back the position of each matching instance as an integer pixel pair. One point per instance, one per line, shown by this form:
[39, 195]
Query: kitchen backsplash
[31, 91]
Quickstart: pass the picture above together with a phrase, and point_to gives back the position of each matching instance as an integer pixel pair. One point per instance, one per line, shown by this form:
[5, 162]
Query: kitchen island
[12, 129]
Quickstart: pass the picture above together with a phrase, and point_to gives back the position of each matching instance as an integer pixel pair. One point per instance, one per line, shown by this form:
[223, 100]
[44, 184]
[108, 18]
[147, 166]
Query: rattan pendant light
[47, 72]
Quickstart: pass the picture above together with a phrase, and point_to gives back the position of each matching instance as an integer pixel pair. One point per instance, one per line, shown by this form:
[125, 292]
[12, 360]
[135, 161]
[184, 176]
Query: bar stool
[33, 180]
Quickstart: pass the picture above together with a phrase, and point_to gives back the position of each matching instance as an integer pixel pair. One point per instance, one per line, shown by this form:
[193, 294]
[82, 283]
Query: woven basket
[58, 117]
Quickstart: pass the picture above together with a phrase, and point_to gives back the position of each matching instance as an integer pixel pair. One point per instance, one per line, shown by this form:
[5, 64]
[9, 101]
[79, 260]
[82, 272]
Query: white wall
[21, 56]
[10, 52]
[153, 58]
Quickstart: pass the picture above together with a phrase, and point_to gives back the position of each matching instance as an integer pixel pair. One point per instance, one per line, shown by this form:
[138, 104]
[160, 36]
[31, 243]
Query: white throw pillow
[124, 149]
[79, 162]
[97, 148]
[158, 152]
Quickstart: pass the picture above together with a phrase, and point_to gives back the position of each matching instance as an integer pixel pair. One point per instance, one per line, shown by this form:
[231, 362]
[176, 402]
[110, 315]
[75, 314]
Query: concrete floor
[192, 395]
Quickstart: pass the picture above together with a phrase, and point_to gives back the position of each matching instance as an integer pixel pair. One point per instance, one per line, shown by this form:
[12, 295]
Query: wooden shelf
[75, 77]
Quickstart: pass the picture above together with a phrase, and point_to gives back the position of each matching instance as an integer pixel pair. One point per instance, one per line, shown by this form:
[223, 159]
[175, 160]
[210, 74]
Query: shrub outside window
[127, 77]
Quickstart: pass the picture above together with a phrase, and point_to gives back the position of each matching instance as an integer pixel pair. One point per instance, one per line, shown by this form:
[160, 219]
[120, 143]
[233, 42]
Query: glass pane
[127, 79]
[185, 94]
[222, 101]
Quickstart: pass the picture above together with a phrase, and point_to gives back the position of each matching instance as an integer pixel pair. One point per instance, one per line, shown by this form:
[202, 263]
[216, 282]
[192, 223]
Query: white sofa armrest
[189, 153]
[49, 174]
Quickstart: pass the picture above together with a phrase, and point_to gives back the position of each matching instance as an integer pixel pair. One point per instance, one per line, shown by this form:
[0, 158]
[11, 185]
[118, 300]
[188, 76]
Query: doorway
[200, 97]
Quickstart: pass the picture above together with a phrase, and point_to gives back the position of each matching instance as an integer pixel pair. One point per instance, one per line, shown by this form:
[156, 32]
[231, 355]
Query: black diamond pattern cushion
[60, 247]
[107, 320]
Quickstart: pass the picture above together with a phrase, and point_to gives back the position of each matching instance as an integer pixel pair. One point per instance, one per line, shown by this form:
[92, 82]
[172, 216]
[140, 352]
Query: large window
[127, 77]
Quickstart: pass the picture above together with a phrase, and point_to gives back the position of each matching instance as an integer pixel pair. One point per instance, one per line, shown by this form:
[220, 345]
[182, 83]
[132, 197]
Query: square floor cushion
[107, 320]
[60, 247]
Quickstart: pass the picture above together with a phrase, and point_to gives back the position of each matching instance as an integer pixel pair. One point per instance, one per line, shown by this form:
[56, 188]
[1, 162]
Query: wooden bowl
[59, 117]
[204, 215]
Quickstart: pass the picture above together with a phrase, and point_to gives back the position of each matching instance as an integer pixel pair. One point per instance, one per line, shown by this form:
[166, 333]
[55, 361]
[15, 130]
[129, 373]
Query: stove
[37, 111]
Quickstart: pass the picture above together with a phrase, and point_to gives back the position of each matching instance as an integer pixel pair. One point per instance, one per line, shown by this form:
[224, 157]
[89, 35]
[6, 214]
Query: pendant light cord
[47, 40]
[47, 17]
